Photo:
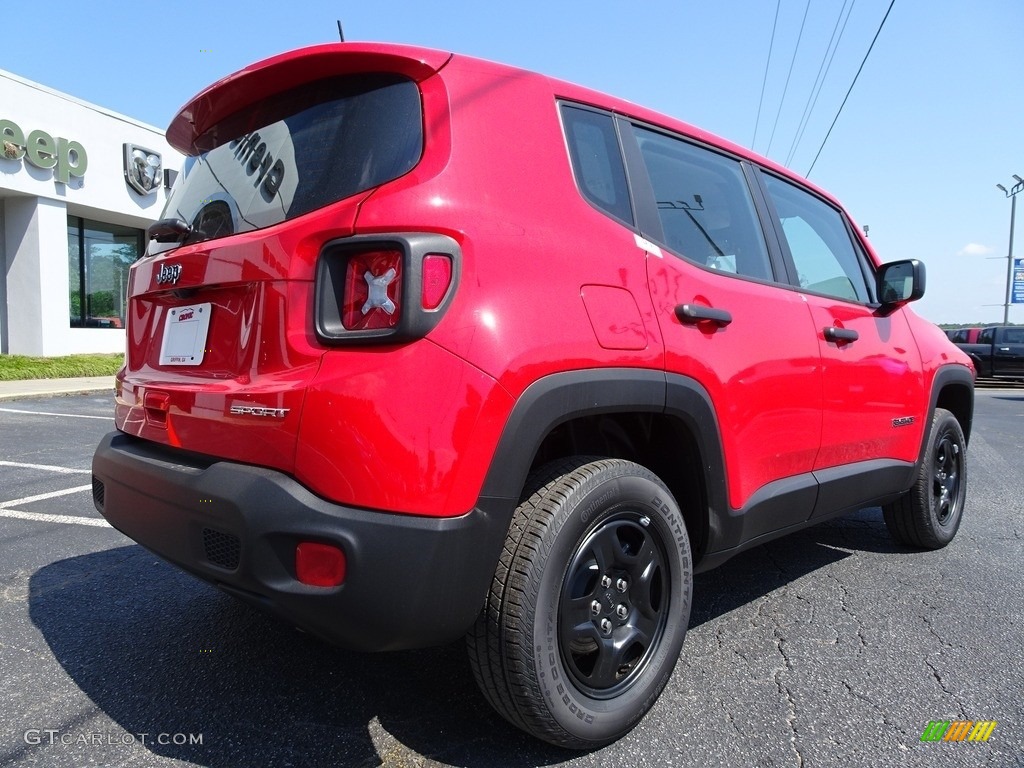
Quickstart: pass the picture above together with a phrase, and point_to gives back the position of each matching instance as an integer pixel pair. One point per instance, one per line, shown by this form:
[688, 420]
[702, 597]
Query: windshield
[297, 152]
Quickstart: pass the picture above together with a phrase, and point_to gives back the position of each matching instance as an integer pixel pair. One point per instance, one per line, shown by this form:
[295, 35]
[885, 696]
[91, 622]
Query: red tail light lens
[384, 288]
[319, 565]
[437, 277]
[373, 291]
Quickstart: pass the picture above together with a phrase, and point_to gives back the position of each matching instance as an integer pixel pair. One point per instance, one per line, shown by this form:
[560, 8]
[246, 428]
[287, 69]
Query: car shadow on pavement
[159, 652]
[754, 573]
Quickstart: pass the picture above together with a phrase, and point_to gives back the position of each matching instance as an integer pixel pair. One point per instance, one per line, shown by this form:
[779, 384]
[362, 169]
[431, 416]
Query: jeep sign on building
[78, 186]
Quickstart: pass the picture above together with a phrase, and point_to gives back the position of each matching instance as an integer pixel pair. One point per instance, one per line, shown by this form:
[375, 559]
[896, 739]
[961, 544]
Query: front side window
[824, 256]
[99, 256]
[704, 204]
[297, 152]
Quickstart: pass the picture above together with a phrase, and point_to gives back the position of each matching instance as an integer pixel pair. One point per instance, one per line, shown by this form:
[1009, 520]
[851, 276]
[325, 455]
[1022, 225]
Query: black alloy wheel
[589, 604]
[612, 612]
[929, 514]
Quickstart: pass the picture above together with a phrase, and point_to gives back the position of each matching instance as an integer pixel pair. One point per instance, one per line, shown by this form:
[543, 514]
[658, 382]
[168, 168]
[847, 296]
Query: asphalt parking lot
[833, 647]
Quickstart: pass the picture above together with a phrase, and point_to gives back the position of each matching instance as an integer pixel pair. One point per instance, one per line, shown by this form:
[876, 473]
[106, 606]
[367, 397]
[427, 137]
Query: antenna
[341, 33]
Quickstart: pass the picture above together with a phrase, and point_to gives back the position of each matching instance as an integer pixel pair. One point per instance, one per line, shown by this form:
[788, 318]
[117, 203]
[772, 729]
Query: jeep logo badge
[169, 273]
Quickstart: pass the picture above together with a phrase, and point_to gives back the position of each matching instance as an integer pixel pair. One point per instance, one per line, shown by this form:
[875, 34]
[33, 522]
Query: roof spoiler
[279, 74]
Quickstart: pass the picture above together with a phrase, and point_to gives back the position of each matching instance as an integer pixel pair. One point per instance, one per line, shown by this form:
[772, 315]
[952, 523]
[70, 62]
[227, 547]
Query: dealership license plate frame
[185, 332]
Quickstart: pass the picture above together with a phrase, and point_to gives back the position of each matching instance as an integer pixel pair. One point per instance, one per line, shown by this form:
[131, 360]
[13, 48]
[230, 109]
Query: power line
[891, 4]
[792, 61]
[771, 45]
[819, 80]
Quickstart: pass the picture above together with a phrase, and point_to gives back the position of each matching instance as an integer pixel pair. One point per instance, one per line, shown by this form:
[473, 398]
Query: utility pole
[1012, 194]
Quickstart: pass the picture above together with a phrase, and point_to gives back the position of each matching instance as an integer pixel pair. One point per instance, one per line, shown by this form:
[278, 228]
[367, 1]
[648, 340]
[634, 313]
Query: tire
[929, 515]
[589, 605]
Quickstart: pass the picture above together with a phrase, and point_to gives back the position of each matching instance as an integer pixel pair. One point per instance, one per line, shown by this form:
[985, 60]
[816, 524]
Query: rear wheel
[929, 515]
[589, 604]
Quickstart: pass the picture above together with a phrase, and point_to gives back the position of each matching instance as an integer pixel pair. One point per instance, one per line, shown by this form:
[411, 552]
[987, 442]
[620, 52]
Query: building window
[98, 259]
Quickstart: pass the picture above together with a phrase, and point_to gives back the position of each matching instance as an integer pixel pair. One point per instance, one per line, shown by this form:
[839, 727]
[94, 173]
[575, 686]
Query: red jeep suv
[427, 347]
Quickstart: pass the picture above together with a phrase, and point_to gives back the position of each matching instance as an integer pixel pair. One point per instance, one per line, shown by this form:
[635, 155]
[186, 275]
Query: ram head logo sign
[143, 169]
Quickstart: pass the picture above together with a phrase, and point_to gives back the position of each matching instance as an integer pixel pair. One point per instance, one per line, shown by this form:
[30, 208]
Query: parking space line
[62, 415]
[42, 517]
[46, 467]
[44, 496]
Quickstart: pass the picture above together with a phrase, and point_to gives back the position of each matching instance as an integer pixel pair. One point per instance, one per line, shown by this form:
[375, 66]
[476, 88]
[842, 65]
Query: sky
[935, 120]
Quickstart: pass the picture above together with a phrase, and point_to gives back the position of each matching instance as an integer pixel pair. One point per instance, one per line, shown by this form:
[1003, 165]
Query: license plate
[185, 335]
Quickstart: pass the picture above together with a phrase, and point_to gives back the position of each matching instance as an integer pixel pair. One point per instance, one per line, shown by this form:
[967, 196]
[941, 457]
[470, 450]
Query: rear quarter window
[597, 161]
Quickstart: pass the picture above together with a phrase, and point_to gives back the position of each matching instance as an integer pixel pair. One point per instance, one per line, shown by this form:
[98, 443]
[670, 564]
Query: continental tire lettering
[560, 688]
[676, 526]
[596, 504]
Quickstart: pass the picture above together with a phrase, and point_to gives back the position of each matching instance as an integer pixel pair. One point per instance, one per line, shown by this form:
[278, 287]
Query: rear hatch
[220, 330]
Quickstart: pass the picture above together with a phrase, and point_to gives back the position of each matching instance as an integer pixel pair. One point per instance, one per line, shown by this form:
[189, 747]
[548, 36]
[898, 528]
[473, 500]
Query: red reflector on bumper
[319, 565]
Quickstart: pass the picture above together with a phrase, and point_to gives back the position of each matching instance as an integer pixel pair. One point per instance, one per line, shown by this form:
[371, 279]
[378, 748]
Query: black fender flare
[562, 397]
[960, 378]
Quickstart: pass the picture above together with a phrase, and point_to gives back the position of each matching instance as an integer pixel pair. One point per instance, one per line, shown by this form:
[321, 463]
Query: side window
[825, 258]
[987, 336]
[1014, 336]
[704, 205]
[597, 161]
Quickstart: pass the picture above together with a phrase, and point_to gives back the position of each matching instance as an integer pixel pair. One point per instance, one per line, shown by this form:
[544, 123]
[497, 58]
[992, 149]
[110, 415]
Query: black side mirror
[900, 282]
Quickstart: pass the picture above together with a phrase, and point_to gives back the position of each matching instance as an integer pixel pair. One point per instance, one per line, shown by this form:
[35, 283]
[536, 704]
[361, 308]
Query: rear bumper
[410, 582]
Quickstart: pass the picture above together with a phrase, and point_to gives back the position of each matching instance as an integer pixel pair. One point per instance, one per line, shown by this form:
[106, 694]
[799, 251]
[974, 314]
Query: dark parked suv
[428, 347]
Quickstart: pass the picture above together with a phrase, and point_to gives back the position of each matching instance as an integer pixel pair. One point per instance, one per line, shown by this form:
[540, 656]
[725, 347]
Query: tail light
[384, 288]
[373, 291]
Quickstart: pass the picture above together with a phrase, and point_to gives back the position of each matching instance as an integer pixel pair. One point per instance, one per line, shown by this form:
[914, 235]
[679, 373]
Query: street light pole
[1012, 194]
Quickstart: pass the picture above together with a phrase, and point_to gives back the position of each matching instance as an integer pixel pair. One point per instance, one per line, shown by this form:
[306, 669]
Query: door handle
[695, 313]
[840, 334]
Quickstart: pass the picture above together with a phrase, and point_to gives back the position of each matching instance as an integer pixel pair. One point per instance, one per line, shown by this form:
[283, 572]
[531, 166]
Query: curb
[51, 389]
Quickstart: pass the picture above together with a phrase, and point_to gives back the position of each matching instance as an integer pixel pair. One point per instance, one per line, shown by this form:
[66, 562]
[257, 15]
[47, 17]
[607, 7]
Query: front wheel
[589, 604]
[929, 515]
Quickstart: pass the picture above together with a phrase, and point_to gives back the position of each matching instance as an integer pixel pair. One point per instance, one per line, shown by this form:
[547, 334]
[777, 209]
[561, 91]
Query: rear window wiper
[171, 230]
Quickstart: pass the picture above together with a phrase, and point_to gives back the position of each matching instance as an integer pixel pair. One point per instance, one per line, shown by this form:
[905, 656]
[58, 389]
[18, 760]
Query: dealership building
[79, 184]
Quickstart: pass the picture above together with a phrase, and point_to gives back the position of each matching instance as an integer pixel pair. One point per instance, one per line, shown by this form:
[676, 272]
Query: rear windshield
[297, 152]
